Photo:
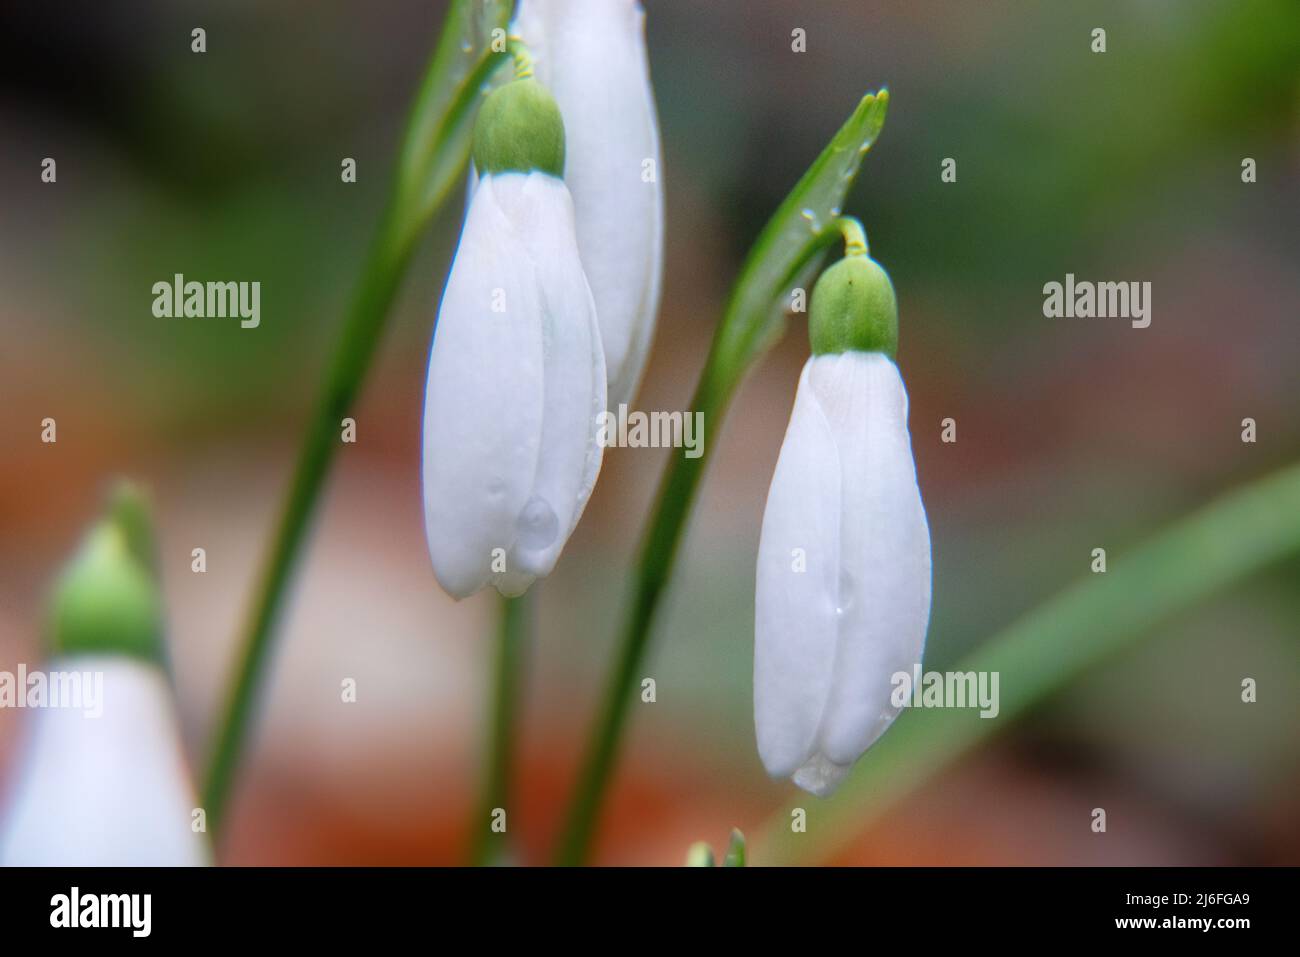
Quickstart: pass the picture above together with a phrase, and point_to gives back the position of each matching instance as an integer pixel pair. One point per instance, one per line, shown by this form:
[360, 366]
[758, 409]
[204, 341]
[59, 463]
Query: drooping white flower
[101, 779]
[843, 582]
[516, 373]
[111, 790]
[591, 55]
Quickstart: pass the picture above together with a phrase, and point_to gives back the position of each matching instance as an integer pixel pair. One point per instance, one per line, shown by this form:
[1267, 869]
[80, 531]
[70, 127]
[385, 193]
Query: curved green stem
[1223, 542]
[722, 374]
[786, 250]
[513, 639]
[352, 356]
[523, 58]
[433, 155]
[855, 237]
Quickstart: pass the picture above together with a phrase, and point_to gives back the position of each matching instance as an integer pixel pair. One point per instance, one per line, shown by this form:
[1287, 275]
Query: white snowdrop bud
[516, 373]
[829, 638]
[101, 780]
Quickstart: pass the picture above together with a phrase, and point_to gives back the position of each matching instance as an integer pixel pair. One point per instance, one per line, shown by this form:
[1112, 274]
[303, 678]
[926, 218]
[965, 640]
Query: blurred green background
[1072, 434]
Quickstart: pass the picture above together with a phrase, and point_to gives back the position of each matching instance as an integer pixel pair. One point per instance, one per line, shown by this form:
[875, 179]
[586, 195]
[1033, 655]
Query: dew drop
[537, 524]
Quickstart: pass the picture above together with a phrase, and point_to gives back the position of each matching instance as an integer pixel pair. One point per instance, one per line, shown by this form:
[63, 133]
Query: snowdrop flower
[101, 779]
[843, 583]
[591, 55]
[516, 373]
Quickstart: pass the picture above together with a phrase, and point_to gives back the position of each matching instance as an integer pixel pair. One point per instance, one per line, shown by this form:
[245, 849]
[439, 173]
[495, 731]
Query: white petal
[106, 791]
[885, 547]
[881, 582]
[483, 399]
[516, 370]
[795, 630]
[591, 55]
[574, 371]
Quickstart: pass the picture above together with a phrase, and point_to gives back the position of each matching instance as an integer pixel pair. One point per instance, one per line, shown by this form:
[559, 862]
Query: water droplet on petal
[537, 525]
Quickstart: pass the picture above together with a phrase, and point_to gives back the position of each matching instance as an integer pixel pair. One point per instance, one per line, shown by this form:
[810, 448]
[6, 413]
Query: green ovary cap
[854, 309]
[519, 129]
[106, 601]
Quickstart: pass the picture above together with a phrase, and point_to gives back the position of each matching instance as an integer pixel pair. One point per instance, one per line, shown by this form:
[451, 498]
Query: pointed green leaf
[437, 146]
[796, 233]
[736, 851]
[129, 510]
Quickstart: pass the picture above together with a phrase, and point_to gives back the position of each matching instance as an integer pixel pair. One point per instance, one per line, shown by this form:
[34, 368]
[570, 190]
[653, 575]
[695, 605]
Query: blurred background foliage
[1071, 434]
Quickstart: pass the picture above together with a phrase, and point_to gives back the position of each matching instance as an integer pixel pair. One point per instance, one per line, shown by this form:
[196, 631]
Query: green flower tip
[519, 129]
[736, 851]
[129, 510]
[699, 855]
[854, 309]
[106, 601]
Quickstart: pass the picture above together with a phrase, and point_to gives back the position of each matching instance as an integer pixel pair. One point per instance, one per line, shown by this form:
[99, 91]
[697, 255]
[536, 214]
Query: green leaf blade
[781, 251]
[442, 120]
[735, 850]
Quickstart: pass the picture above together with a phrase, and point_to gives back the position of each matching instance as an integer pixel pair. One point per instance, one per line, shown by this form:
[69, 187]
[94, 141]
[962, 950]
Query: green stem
[1223, 542]
[855, 237]
[511, 655]
[523, 58]
[352, 355]
[789, 244]
[737, 344]
[433, 154]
